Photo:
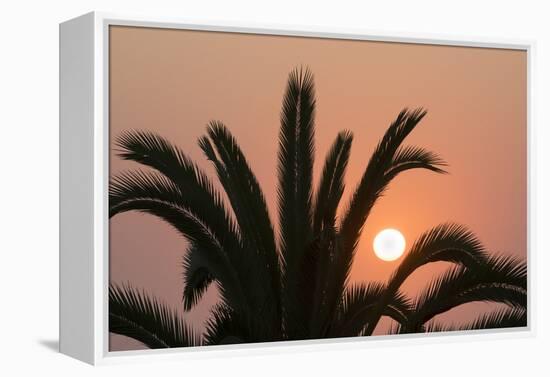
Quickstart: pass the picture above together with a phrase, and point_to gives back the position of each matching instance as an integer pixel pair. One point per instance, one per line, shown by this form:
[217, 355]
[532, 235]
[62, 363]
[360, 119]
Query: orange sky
[174, 81]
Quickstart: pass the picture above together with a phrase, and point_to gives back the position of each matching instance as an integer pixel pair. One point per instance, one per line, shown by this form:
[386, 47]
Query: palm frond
[501, 279]
[198, 194]
[223, 327]
[295, 170]
[308, 292]
[131, 185]
[411, 157]
[373, 182]
[228, 326]
[249, 206]
[319, 298]
[134, 314]
[155, 194]
[197, 276]
[154, 151]
[296, 161]
[331, 186]
[498, 319]
[388, 159]
[361, 299]
[445, 242]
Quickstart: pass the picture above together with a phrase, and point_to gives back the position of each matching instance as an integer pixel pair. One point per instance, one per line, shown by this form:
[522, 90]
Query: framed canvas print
[225, 188]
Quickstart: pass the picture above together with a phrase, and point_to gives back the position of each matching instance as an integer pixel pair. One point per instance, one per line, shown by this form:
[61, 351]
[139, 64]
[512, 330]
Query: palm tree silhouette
[295, 285]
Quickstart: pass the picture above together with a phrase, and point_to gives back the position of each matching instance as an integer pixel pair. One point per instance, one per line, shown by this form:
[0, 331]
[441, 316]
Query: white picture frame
[84, 181]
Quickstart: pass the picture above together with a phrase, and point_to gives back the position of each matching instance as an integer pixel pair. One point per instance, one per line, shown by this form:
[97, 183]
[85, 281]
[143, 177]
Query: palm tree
[295, 284]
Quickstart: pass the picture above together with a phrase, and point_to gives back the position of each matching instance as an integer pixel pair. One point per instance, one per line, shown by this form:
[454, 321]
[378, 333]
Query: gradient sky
[174, 82]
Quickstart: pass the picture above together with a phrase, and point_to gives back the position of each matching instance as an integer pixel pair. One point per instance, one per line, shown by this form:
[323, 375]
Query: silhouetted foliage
[295, 285]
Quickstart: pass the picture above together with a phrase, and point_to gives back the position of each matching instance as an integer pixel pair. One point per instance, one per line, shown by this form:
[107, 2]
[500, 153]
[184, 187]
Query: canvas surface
[175, 83]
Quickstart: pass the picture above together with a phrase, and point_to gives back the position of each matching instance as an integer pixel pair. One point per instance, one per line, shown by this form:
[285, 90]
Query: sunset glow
[172, 83]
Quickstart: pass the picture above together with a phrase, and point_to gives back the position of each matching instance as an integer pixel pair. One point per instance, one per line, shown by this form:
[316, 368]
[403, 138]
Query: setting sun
[389, 244]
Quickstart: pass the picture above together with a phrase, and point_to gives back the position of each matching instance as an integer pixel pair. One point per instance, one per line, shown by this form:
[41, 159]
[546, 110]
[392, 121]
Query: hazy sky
[174, 82]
